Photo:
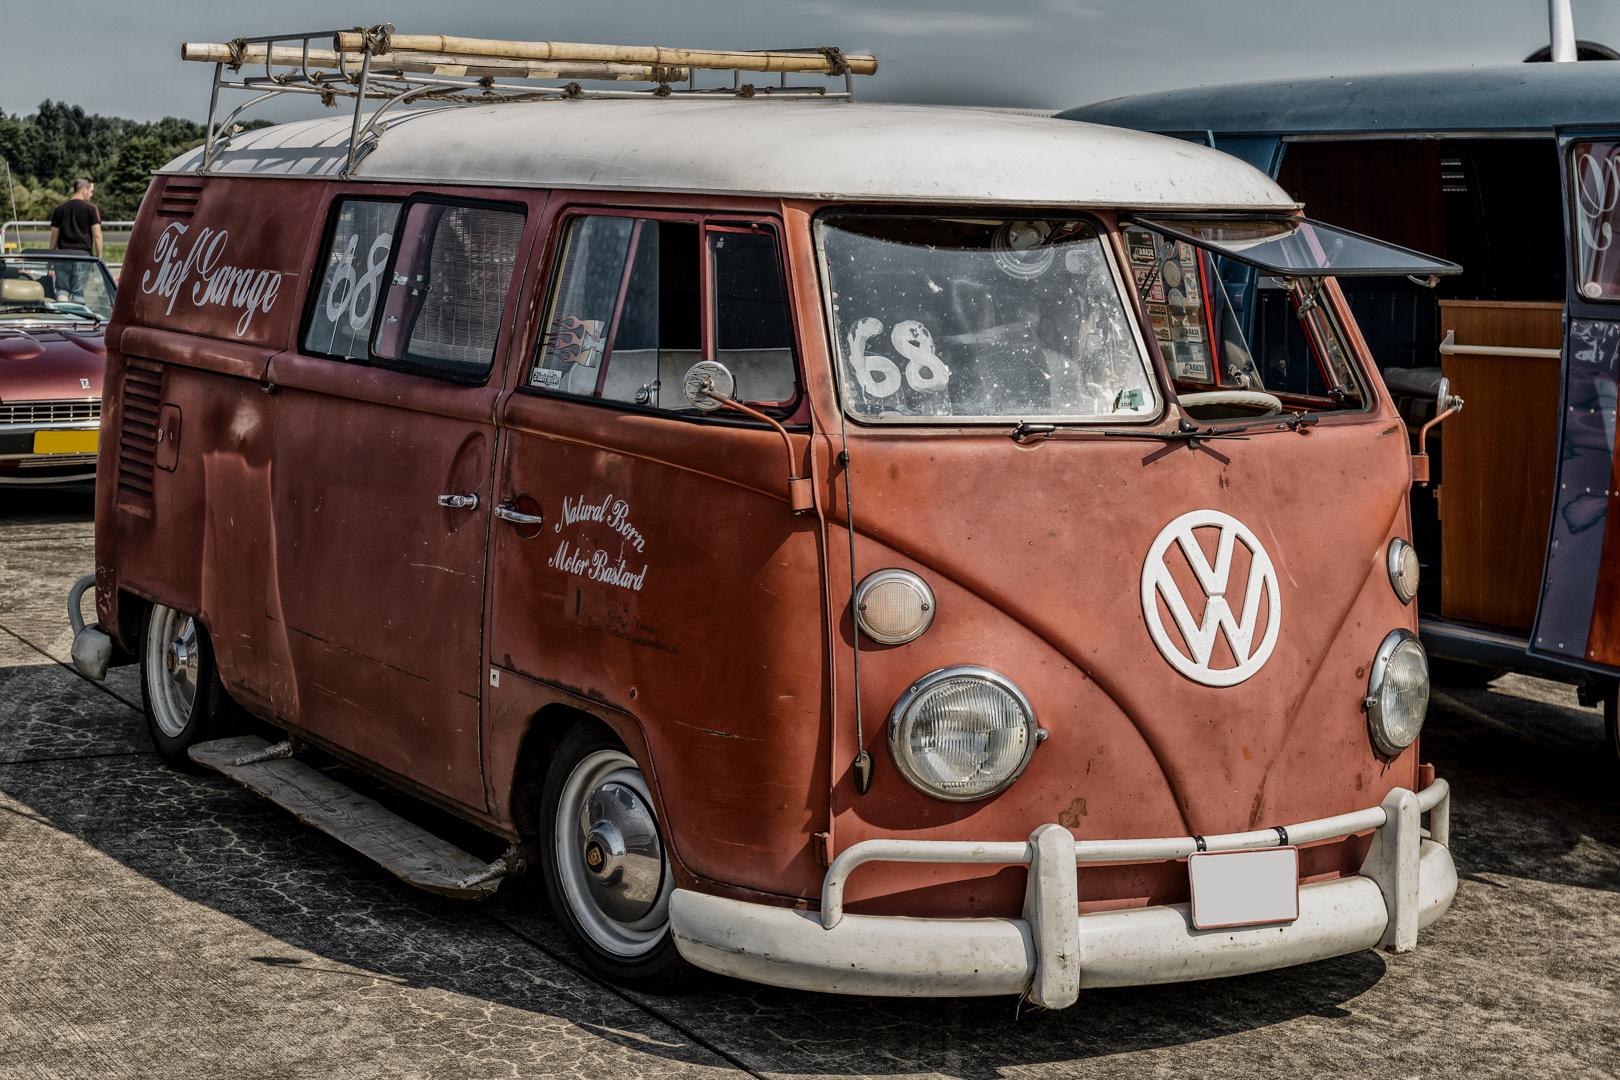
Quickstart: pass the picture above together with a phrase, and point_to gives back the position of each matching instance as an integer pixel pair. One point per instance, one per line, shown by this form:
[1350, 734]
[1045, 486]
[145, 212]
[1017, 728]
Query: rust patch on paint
[1070, 818]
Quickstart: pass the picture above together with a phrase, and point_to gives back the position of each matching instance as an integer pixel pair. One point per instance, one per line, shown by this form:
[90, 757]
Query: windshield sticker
[217, 283]
[878, 375]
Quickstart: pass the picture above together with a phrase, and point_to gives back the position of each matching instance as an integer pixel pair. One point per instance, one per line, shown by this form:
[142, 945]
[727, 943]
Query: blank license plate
[1244, 888]
[65, 442]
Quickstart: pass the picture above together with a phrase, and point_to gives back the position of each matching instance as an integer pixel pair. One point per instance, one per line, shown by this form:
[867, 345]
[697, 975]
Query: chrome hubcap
[171, 670]
[610, 859]
[621, 852]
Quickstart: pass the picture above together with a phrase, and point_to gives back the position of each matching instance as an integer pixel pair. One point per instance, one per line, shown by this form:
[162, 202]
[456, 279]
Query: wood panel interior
[1499, 463]
[1388, 189]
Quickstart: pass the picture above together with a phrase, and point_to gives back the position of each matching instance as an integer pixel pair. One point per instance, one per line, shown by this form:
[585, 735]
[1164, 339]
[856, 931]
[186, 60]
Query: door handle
[460, 502]
[508, 512]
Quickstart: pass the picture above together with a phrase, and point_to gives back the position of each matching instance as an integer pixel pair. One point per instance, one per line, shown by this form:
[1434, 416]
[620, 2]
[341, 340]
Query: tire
[602, 855]
[1611, 723]
[184, 700]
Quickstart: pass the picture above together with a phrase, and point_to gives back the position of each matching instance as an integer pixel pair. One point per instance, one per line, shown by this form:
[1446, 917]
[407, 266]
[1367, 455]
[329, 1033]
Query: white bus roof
[831, 150]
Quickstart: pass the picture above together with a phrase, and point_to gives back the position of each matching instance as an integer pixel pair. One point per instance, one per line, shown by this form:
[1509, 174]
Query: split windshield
[35, 285]
[981, 318]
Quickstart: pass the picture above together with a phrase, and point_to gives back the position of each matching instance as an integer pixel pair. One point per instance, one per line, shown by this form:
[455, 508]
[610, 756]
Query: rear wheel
[603, 858]
[185, 702]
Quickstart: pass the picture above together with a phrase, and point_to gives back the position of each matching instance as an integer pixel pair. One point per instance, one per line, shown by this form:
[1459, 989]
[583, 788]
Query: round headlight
[1397, 692]
[962, 733]
[1403, 569]
[894, 606]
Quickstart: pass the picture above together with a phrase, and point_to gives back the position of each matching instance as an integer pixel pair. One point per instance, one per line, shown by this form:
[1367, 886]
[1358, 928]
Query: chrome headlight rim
[1394, 558]
[880, 577]
[1376, 727]
[1034, 733]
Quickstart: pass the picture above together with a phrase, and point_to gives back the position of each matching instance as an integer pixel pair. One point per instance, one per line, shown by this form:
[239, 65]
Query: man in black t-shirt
[76, 224]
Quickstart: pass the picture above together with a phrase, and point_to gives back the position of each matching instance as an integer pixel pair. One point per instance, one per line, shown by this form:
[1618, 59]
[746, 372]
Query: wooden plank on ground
[408, 851]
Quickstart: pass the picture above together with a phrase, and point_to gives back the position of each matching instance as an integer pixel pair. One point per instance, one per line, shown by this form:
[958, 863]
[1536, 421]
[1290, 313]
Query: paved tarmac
[158, 923]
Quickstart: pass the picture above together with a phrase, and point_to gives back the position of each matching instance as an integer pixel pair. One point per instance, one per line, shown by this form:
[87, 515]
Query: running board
[407, 851]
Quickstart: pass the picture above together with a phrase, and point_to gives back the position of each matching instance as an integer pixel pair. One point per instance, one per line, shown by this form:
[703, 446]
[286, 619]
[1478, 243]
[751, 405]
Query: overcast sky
[121, 57]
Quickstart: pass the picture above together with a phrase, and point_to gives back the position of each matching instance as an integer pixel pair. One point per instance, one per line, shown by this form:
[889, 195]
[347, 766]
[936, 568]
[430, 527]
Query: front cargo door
[1578, 618]
[668, 580]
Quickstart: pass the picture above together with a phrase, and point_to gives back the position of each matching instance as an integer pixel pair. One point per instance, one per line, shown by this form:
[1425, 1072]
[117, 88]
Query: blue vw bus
[1513, 172]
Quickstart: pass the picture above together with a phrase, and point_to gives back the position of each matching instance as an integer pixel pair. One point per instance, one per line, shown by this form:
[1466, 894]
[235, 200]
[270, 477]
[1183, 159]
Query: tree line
[60, 142]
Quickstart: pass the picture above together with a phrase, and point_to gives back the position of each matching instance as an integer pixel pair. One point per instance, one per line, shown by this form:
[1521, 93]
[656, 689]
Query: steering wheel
[1272, 403]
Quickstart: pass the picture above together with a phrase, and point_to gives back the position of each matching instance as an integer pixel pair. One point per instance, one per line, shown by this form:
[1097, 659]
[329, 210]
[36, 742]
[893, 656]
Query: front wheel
[604, 863]
[180, 687]
[1611, 723]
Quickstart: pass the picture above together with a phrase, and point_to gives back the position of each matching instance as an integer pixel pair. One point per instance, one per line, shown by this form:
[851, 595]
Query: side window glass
[624, 322]
[340, 324]
[753, 333]
[1595, 174]
[443, 306]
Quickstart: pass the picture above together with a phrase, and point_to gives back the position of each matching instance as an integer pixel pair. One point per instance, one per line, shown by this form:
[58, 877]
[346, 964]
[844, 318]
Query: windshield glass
[974, 318]
[1290, 245]
[1292, 348]
[35, 284]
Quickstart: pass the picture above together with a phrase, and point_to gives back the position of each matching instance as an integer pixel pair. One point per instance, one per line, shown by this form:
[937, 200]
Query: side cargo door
[1578, 618]
[669, 579]
[382, 481]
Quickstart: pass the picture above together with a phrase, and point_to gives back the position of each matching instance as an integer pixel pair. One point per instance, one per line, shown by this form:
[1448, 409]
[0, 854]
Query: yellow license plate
[65, 442]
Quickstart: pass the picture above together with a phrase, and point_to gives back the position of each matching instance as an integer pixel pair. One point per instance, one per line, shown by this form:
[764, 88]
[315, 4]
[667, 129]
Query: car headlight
[1397, 692]
[962, 733]
[894, 606]
[1403, 569]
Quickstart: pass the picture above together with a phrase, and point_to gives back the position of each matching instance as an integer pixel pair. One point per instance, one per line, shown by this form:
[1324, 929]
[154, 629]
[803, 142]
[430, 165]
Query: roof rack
[376, 63]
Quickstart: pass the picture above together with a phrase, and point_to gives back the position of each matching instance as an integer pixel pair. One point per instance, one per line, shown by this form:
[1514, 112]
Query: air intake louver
[180, 197]
[137, 433]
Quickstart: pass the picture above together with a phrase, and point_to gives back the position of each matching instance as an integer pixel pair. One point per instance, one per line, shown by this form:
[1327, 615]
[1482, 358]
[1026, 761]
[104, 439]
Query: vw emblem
[1200, 636]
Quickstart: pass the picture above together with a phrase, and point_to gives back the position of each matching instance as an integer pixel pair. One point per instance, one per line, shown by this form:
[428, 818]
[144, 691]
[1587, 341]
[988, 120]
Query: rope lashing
[836, 63]
[376, 39]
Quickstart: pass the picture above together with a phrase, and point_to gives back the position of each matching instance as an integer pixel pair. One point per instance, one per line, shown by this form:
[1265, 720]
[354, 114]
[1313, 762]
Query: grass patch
[112, 253]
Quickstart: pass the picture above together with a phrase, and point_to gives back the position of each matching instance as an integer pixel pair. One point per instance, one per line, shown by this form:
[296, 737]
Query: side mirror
[1446, 404]
[709, 385]
[1445, 400]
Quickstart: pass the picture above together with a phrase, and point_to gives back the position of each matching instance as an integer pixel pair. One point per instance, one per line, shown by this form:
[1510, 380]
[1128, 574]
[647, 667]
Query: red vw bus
[845, 547]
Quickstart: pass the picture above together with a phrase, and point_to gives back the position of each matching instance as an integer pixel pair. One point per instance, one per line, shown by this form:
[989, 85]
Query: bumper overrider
[1406, 882]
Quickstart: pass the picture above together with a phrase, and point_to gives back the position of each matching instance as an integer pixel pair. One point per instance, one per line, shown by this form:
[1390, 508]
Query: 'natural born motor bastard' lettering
[612, 511]
[597, 566]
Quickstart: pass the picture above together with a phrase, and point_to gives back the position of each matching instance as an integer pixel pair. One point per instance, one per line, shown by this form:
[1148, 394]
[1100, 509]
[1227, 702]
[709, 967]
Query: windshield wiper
[92, 316]
[1188, 432]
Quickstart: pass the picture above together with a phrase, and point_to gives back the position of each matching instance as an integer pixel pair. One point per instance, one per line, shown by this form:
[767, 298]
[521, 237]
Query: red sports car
[54, 308]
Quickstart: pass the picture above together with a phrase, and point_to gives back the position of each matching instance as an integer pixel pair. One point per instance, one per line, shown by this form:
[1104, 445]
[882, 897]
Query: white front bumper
[1407, 883]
